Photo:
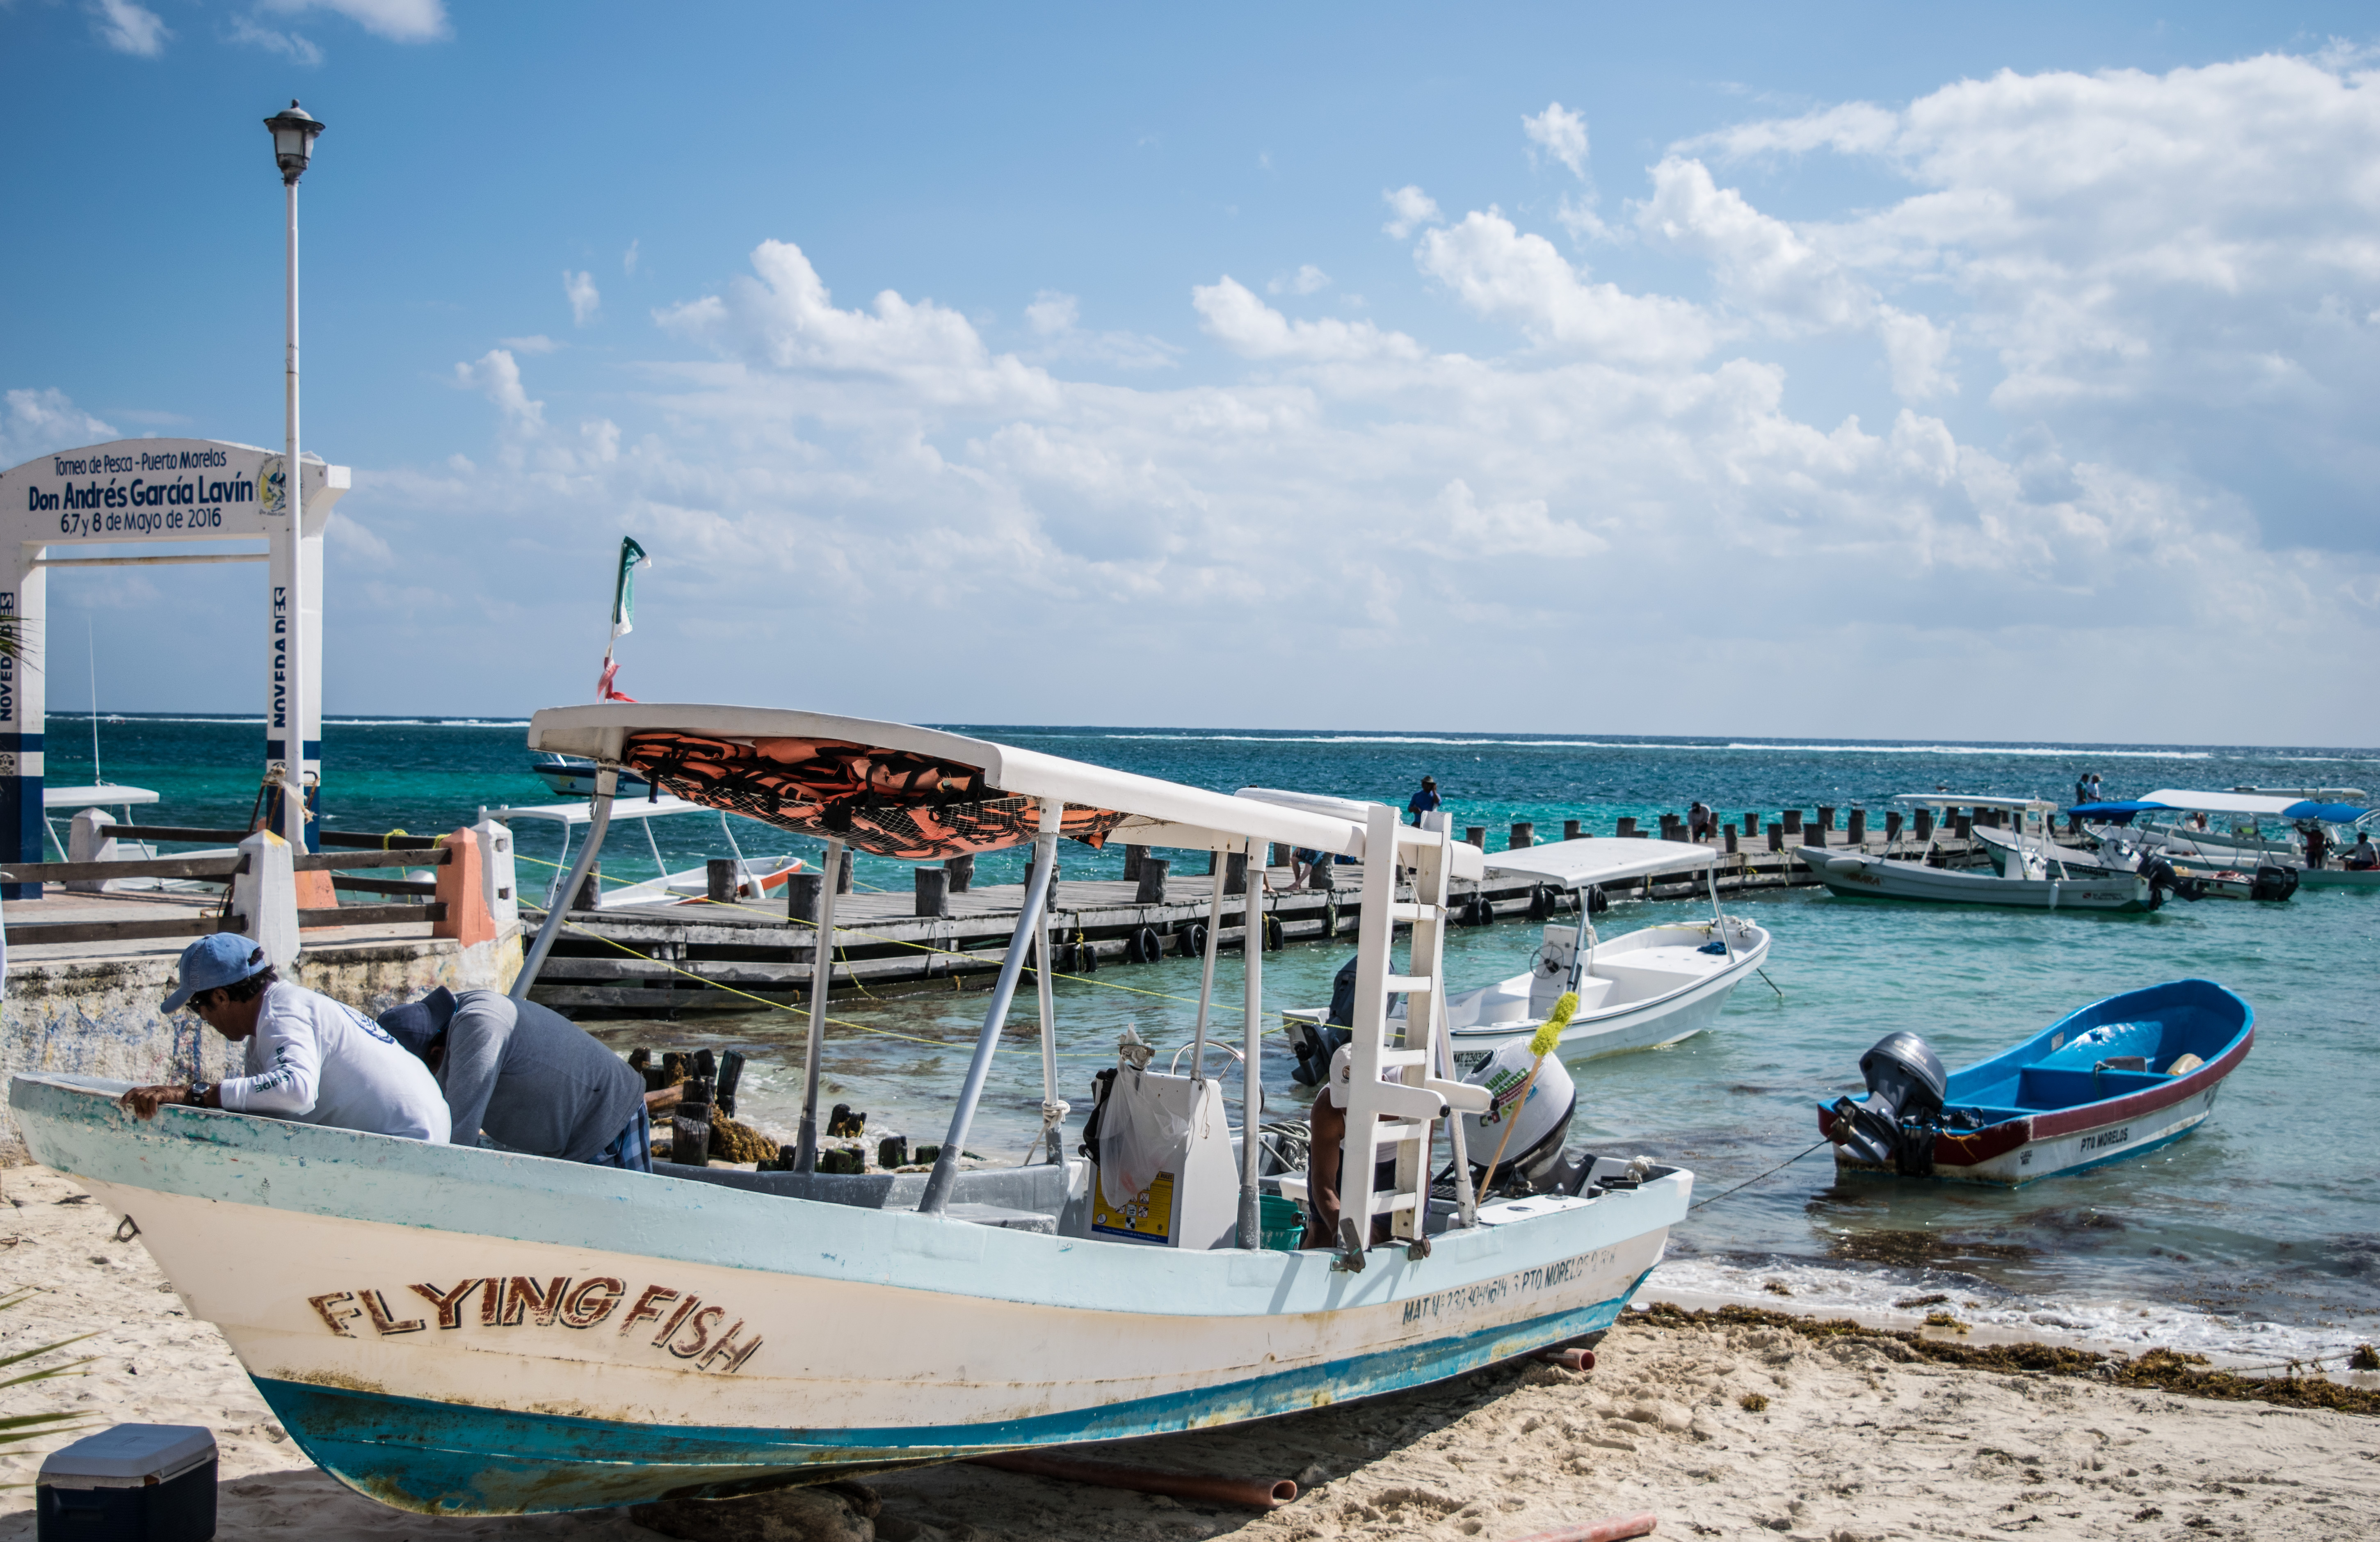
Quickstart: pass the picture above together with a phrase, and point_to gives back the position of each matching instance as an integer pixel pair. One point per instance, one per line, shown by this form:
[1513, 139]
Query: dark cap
[418, 1024]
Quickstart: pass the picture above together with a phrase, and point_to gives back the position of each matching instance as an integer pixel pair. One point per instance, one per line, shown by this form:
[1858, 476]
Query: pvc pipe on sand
[1247, 1493]
[1613, 1530]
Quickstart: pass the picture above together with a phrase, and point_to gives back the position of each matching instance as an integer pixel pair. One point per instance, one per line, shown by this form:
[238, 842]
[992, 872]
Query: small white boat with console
[2175, 821]
[458, 1330]
[1639, 990]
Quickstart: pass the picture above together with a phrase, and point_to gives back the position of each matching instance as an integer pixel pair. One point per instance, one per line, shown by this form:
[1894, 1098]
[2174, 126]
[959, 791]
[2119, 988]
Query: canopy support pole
[939, 1182]
[598, 817]
[1252, 1066]
[1206, 975]
[1718, 916]
[821, 986]
[1054, 1110]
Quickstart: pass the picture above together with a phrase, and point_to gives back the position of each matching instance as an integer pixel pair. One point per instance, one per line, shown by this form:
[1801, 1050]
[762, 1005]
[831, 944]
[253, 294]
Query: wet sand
[1858, 1437]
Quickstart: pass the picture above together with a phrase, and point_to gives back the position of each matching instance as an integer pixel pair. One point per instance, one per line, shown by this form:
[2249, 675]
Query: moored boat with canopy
[461, 1330]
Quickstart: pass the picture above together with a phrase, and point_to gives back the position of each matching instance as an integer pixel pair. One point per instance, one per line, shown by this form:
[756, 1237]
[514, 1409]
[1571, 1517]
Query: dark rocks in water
[1923, 1249]
[827, 1513]
[2068, 1222]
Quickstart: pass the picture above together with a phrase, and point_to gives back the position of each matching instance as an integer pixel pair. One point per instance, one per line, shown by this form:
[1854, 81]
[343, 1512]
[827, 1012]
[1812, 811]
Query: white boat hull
[1864, 877]
[463, 1331]
[1669, 1016]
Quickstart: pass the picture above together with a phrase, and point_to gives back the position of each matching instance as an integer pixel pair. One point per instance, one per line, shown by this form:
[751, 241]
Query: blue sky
[1843, 370]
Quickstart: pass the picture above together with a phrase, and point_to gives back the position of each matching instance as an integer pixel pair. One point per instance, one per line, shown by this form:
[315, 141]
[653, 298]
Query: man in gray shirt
[528, 1076]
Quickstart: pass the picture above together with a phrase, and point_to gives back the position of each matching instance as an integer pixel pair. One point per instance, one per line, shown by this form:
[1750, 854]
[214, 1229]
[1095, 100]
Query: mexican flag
[624, 613]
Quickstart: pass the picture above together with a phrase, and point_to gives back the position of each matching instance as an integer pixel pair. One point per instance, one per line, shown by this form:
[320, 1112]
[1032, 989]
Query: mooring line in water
[1749, 1181]
[919, 947]
[1766, 981]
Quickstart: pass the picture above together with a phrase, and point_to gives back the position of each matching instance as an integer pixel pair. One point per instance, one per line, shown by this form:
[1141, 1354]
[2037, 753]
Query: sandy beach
[1723, 1430]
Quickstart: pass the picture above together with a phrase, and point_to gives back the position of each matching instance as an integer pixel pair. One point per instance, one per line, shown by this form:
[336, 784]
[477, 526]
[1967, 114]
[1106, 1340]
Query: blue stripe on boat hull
[452, 1459]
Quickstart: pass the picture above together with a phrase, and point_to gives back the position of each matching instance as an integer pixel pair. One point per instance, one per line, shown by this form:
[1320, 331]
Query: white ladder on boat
[1401, 1112]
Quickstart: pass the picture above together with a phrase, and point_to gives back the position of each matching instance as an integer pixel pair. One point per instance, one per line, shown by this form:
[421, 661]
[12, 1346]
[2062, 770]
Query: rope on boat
[781, 1006]
[1749, 1181]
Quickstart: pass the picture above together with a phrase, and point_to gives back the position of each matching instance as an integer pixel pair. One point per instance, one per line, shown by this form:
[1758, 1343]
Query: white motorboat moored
[1638, 990]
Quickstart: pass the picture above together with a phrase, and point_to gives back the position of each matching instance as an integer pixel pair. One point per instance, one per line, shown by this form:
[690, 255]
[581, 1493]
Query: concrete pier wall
[102, 1016]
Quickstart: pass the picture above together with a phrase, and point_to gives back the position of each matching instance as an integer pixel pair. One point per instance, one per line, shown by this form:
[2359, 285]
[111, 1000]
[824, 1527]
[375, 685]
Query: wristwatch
[198, 1095]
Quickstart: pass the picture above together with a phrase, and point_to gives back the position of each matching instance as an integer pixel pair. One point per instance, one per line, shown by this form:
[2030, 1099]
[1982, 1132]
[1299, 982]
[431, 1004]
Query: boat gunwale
[861, 1244]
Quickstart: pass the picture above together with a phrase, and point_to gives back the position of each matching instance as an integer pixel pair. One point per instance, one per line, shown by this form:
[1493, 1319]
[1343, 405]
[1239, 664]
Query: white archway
[149, 491]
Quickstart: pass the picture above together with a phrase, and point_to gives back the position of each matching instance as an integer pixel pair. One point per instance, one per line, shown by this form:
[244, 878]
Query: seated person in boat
[310, 1059]
[1327, 1125]
[529, 1077]
[2363, 856]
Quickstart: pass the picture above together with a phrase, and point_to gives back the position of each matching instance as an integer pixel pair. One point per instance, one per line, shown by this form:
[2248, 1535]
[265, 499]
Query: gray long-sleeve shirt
[532, 1079]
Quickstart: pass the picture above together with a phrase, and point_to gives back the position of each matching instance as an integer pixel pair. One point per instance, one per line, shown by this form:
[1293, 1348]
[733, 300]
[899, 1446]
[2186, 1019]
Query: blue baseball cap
[218, 958]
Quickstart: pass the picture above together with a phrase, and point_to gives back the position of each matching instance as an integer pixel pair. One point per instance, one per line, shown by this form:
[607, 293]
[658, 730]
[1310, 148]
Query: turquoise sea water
[2260, 1230]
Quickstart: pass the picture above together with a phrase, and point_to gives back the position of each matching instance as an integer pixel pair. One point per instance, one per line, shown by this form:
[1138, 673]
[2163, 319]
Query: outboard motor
[1313, 1046]
[1894, 1125]
[2163, 880]
[2273, 882]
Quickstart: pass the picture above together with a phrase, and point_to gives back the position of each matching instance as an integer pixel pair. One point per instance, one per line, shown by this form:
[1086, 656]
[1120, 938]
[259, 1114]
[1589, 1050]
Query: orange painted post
[463, 894]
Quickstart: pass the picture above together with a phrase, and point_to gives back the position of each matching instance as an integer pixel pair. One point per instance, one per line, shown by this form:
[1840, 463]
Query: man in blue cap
[529, 1077]
[311, 1059]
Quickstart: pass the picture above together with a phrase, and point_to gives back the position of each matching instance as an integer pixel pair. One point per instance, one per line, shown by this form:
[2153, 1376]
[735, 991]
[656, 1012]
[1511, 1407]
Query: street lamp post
[293, 147]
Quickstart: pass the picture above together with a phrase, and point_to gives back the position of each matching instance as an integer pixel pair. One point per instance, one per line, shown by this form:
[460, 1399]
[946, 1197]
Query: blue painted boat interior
[2061, 1066]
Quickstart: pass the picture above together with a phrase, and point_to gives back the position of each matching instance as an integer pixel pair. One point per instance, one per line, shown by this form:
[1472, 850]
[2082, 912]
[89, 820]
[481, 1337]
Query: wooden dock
[733, 956]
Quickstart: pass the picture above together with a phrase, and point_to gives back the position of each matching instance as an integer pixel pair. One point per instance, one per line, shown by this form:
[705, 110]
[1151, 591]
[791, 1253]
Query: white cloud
[1614, 472]
[534, 343]
[586, 300]
[628, 259]
[1307, 280]
[348, 536]
[129, 28]
[397, 21]
[1051, 313]
[1495, 269]
[1409, 209]
[1233, 316]
[1560, 134]
[292, 46]
[497, 377]
[2188, 259]
[36, 422]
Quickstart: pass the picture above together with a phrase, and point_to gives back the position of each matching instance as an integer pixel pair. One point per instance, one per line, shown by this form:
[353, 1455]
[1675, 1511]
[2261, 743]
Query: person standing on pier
[1424, 802]
[310, 1060]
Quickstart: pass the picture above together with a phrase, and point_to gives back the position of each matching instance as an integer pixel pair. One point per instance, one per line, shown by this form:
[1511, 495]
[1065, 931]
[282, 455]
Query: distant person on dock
[529, 1077]
[1699, 822]
[310, 1060]
[1424, 801]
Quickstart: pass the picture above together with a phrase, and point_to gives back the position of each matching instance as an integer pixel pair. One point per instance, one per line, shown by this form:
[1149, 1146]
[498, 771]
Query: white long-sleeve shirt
[319, 1061]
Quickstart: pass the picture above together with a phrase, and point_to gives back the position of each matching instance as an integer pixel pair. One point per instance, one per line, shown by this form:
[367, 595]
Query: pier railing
[468, 897]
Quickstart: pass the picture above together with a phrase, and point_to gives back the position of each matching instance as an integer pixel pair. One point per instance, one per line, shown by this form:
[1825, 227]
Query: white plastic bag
[1139, 1139]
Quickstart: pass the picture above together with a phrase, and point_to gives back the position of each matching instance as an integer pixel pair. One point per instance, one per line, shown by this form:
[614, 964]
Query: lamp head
[292, 139]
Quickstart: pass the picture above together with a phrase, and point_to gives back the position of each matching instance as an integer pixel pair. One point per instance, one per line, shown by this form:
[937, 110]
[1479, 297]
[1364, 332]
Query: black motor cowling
[2273, 882]
[1894, 1124]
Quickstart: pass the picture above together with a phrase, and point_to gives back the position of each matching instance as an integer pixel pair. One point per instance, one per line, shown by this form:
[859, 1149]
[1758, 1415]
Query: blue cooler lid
[128, 1456]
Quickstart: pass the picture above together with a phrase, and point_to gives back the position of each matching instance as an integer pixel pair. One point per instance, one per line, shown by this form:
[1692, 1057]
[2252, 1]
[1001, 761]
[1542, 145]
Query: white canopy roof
[1969, 800]
[1158, 813]
[2252, 804]
[94, 797]
[1599, 859]
[581, 812]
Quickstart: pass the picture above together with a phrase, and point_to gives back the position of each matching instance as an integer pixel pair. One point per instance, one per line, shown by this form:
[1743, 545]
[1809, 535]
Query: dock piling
[1524, 834]
[1152, 880]
[962, 871]
[933, 890]
[719, 879]
[1571, 829]
[802, 896]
